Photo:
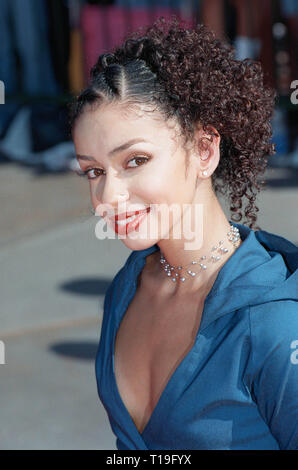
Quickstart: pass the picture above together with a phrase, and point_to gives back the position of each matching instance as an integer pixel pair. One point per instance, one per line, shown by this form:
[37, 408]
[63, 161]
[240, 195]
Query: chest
[152, 340]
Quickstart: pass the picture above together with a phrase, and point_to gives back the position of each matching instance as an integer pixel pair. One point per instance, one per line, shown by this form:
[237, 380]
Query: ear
[207, 143]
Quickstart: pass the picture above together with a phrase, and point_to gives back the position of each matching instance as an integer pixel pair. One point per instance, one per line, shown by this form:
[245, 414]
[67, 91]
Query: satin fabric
[237, 388]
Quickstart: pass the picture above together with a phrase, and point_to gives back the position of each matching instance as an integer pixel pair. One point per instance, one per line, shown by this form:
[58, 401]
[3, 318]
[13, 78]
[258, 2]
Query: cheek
[150, 182]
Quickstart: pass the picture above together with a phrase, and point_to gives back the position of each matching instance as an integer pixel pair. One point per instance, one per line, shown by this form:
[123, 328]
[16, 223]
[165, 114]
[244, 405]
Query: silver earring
[205, 173]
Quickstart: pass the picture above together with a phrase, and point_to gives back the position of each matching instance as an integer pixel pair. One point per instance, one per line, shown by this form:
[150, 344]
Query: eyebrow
[122, 147]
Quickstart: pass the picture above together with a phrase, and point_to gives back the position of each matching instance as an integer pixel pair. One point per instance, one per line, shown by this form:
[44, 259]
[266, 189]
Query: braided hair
[190, 75]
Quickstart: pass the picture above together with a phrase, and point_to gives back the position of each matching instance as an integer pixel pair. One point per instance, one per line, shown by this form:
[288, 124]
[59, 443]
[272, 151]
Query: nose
[114, 193]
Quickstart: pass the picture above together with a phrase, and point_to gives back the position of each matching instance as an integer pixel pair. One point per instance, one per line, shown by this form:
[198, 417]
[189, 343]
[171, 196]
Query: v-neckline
[192, 364]
[126, 304]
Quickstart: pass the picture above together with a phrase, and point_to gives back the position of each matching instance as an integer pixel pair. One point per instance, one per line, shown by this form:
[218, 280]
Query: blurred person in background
[34, 48]
[24, 30]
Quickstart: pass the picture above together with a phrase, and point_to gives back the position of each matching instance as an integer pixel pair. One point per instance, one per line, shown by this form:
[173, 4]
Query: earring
[205, 173]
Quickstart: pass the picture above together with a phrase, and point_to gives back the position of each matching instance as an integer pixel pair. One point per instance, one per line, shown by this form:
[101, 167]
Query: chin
[137, 244]
[140, 236]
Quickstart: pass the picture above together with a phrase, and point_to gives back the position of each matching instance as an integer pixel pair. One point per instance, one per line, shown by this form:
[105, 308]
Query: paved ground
[54, 273]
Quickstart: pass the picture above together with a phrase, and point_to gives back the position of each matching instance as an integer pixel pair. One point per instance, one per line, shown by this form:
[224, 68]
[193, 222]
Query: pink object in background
[105, 27]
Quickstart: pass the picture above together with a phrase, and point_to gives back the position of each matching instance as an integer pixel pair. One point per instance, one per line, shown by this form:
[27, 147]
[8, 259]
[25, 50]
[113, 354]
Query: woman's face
[149, 173]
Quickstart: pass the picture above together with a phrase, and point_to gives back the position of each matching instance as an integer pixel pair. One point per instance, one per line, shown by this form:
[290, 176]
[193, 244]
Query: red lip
[130, 226]
[126, 215]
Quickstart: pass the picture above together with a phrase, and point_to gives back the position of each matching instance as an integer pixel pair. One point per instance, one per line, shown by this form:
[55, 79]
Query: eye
[138, 158]
[93, 173]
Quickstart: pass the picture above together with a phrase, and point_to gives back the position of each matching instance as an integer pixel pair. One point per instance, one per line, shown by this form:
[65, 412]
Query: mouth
[128, 224]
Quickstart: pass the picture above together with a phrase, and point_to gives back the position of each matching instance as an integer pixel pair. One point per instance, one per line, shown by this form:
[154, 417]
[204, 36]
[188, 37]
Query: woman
[197, 346]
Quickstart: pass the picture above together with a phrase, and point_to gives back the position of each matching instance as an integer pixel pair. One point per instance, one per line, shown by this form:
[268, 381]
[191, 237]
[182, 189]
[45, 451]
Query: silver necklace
[175, 271]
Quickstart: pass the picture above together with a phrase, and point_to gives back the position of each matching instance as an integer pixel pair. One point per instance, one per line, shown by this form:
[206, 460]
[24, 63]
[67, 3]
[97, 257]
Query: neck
[175, 254]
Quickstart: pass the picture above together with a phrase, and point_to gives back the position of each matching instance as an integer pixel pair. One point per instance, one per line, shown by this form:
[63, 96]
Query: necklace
[175, 271]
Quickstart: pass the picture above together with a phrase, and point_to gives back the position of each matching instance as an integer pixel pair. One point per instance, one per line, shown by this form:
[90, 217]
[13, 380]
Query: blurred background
[54, 271]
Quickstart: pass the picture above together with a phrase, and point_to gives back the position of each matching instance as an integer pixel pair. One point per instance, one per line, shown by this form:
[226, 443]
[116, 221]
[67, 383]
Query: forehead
[108, 125]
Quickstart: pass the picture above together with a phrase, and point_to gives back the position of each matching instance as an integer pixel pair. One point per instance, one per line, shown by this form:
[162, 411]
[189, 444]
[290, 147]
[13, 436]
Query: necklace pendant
[233, 235]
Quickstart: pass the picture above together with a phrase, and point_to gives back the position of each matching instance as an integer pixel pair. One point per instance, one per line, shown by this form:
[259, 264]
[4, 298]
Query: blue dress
[237, 388]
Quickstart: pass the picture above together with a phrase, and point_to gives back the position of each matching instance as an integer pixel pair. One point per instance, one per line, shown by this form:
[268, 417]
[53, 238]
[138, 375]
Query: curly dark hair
[191, 75]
